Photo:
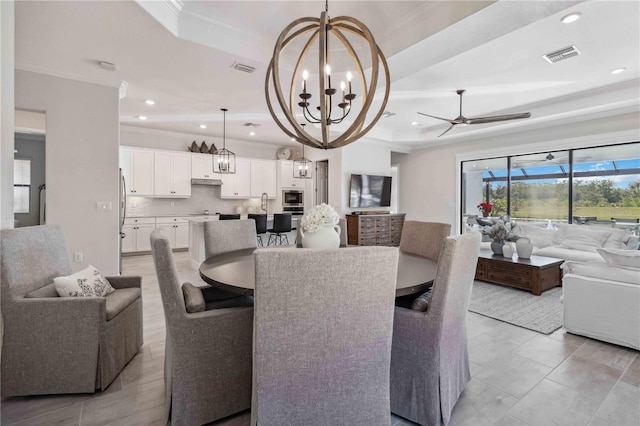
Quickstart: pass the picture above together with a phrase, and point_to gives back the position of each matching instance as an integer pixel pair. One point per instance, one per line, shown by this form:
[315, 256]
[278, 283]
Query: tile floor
[519, 377]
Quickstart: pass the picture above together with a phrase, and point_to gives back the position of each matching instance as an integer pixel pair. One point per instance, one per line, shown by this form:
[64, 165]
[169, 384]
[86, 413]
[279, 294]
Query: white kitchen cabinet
[238, 184]
[172, 174]
[263, 178]
[138, 170]
[286, 176]
[202, 167]
[137, 234]
[176, 229]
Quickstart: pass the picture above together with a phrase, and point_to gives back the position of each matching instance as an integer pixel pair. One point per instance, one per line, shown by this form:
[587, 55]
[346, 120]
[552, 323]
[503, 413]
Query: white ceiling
[179, 53]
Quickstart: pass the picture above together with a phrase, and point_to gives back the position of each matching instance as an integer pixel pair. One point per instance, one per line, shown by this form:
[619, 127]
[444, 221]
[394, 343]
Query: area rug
[518, 307]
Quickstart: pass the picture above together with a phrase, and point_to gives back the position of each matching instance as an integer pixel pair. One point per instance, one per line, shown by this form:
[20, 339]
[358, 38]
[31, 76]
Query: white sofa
[602, 301]
[573, 242]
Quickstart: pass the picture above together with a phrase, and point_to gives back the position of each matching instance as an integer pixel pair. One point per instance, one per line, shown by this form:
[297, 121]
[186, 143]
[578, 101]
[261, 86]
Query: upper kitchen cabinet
[263, 178]
[286, 176]
[238, 184]
[202, 167]
[172, 174]
[138, 170]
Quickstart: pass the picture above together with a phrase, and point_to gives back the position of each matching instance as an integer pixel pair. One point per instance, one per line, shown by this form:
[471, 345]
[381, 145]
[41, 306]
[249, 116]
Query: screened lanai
[597, 186]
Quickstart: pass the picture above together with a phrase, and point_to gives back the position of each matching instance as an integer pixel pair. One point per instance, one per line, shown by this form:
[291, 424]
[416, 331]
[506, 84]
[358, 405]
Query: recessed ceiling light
[150, 102]
[142, 117]
[572, 17]
[252, 133]
[414, 123]
[293, 139]
[618, 70]
[203, 126]
[474, 165]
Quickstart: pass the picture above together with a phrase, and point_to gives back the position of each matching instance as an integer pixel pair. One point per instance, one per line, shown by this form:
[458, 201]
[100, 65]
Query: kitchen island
[196, 235]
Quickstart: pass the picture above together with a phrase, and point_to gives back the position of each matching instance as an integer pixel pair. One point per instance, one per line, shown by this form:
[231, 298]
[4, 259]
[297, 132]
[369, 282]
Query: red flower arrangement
[485, 208]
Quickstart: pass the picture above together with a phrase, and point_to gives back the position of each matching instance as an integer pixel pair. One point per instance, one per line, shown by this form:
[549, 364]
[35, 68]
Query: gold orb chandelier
[333, 107]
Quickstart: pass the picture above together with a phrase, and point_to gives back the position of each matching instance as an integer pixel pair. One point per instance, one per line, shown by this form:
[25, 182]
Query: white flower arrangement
[318, 216]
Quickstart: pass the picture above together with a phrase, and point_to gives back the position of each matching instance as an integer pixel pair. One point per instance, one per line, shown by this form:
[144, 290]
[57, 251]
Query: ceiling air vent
[559, 55]
[242, 67]
[249, 124]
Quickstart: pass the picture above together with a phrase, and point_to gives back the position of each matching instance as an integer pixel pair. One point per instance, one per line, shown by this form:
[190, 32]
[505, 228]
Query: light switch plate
[103, 206]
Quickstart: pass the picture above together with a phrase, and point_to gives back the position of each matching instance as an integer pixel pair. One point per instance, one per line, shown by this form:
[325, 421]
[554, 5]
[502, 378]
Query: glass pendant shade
[302, 167]
[224, 161]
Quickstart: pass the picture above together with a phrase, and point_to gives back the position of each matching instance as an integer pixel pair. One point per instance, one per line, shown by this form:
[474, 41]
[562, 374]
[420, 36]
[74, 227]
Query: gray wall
[82, 162]
[31, 147]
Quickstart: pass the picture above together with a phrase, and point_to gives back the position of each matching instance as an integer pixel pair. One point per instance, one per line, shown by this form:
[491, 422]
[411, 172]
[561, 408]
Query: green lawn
[602, 213]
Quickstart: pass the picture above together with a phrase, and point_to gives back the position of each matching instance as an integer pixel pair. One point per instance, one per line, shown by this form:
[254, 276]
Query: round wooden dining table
[235, 271]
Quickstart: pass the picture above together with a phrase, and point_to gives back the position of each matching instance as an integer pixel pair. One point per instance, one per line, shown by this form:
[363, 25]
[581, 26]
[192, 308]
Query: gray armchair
[424, 238]
[323, 321]
[429, 358]
[207, 354]
[57, 344]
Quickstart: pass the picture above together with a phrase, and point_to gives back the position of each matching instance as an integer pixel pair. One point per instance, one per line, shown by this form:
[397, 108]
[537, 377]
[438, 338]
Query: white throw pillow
[581, 237]
[539, 235]
[618, 239]
[621, 257]
[85, 283]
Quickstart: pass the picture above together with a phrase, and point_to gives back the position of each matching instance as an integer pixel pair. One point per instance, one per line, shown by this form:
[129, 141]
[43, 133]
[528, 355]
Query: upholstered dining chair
[322, 335]
[207, 354]
[230, 235]
[424, 238]
[54, 344]
[429, 358]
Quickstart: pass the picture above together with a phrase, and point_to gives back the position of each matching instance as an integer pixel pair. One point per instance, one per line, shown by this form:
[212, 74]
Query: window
[21, 185]
[587, 186]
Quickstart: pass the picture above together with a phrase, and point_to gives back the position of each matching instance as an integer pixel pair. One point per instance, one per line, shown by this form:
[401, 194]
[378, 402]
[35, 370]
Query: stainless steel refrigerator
[122, 212]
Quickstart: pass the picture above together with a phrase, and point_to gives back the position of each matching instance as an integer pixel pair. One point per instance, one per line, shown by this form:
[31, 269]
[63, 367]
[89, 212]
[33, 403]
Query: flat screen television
[370, 191]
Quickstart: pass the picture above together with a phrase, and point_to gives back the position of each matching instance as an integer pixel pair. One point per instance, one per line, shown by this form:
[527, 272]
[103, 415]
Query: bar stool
[228, 216]
[281, 225]
[261, 226]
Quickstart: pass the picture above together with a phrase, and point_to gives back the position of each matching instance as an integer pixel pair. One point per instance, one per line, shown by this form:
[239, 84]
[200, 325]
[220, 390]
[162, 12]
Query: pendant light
[302, 166]
[224, 161]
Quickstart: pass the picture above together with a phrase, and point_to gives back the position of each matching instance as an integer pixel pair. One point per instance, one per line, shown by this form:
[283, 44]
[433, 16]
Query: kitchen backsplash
[202, 198]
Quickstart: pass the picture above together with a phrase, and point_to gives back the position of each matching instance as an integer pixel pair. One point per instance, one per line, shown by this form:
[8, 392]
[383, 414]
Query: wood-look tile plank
[551, 403]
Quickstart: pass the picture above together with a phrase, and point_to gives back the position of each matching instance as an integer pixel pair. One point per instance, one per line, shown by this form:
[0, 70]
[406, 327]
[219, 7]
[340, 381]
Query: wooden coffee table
[536, 274]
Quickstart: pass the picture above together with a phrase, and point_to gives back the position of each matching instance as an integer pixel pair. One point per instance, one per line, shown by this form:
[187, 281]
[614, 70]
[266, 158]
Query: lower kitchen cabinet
[176, 229]
[137, 234]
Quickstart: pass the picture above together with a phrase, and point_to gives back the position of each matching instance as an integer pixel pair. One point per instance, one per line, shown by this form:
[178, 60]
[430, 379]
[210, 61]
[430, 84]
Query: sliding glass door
[588, 186]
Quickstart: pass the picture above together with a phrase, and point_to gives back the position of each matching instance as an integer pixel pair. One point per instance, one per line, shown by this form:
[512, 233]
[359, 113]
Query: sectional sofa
[573, 242]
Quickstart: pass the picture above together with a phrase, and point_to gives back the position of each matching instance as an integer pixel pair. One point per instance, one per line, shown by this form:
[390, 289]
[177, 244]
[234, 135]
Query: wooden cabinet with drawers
[375, 229]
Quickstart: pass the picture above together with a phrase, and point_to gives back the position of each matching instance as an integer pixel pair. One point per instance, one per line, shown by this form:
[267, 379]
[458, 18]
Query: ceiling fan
[461, 119]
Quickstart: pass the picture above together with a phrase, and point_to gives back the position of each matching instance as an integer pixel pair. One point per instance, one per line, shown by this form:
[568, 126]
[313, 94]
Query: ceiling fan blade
[450, 127]
[493, 119]
[439, 118]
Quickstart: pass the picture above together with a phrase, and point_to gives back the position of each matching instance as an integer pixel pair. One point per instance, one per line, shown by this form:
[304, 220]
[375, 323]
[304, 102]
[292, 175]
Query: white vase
[326, 236]
[507, 250]
[524, 247]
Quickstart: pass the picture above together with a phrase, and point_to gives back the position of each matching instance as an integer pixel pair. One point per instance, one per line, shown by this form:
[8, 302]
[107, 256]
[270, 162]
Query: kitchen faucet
[263, 202]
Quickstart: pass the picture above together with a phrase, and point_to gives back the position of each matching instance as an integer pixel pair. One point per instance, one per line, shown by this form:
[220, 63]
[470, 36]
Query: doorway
[322, 182]
[29, 169]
